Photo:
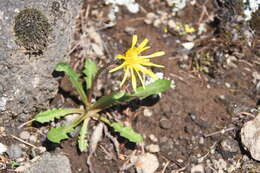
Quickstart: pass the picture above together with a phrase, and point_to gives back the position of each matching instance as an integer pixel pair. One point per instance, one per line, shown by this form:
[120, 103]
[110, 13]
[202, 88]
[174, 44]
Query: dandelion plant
[133, 63]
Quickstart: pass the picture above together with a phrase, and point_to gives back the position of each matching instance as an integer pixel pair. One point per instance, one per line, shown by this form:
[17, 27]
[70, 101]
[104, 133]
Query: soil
[201, 103]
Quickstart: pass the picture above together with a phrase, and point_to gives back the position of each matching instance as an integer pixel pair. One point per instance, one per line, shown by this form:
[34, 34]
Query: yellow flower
[133, 63]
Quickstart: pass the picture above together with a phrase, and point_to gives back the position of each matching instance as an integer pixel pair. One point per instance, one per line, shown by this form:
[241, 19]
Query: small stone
[201, 140]
[145, 163]
[14, 151]
[157, 23]
[3, 148]
[150, 17]
[147, 112]
[230, 145]
[188, 45]
[197, 169]
[153, 138]
[153, 148]
[25, 135]
[130, 30]
[165, 123]
[33, 139]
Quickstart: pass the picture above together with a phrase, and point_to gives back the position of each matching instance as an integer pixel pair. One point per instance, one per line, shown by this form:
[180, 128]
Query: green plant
[92, 110]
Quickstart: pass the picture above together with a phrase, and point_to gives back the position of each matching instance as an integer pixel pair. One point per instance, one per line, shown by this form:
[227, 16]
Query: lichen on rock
[32, 30]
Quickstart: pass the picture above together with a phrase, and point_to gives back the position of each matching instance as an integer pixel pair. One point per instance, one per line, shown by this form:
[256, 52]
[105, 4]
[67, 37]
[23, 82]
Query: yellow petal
[125, 76]
[152, 64]
[117, 68]
[119, 56]
[156, 54]
[140, 77]
[148, 72]
[134, 41]
[133, 79]
[143, 49]
[143, 44]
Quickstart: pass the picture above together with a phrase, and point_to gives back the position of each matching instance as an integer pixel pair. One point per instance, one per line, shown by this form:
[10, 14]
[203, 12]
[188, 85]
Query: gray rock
[26, 83]
[229, 147]
[250, 137]
[165, 123]
[25, 135]
[14, 151]
[50, 163]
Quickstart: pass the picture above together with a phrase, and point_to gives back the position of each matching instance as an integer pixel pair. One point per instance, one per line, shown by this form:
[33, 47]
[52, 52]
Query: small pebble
[153, 148]
[197, 169]
[165, 123]
[201, 140]
[147, 112]
[25, 135]
[3, 148]
[145, 163]
[33, 139]
[130, 30]
[14, 151]
[153, 138]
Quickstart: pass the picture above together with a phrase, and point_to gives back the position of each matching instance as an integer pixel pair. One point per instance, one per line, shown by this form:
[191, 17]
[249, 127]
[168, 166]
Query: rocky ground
[207, 122]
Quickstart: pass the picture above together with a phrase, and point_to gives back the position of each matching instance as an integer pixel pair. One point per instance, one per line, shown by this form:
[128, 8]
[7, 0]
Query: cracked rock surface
[26, 82]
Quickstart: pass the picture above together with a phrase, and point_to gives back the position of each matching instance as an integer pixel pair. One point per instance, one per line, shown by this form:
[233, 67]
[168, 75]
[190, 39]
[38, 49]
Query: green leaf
[127, 132]
[90, 71]
[57, 134]
[156, 87]
[74, 79]
[82, 141]
[141, 92]
[108, 100]
[50, 115]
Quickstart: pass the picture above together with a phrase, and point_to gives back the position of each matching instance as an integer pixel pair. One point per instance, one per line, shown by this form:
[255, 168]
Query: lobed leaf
[50, 115]
[82, 141]
[74, 79]
[127, 132]
[57, 134]
[90, 70]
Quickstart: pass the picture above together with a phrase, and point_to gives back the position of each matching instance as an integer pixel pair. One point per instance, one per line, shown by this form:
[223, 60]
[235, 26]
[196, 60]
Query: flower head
[133, 63]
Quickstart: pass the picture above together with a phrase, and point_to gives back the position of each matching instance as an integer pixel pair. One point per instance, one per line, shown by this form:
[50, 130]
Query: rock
[229, 147]
[130, 30]
[50, 163]
[3, 148]
[165, 123]
[197, 169]
[150, 17]
[153, 148]
[188, 45]
[153, 138]
[250, 137]
[25, 135]
[33, 138]
[147, 112]
[145, 163]
[26, 82]
[14, 151]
